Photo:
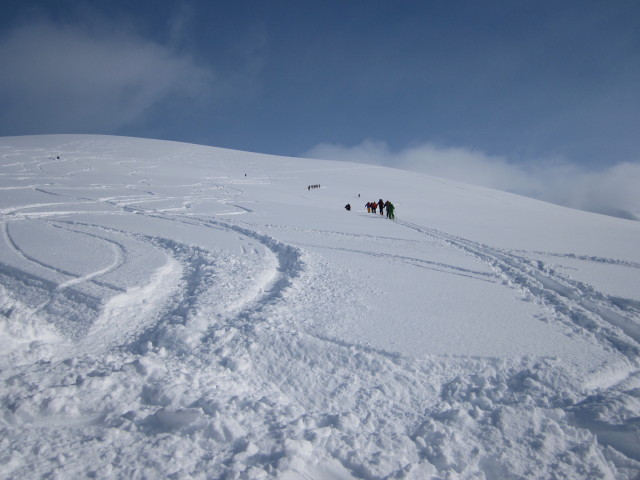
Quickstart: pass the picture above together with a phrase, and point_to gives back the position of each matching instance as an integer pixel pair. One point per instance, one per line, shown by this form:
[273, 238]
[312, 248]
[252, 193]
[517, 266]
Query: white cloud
[613, 191]
[61, 78]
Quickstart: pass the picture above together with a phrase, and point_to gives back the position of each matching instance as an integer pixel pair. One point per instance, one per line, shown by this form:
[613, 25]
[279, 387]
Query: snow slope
[180, 311]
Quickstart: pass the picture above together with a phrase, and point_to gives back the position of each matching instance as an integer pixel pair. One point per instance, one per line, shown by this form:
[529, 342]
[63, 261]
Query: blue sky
[525, 85]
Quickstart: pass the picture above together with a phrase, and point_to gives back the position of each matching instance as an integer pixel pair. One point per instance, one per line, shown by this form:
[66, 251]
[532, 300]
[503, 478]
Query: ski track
[118, 260]
[614, 322]
[219, 386]
[574, 302]
[66, 306]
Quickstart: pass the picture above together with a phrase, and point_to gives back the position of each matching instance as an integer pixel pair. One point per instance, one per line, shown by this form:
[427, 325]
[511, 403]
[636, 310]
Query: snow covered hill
[180, 311]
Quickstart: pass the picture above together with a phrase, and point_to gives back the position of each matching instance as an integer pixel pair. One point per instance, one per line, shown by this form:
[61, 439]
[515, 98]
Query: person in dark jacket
[348, 207]
[381, 205]
[390, 209]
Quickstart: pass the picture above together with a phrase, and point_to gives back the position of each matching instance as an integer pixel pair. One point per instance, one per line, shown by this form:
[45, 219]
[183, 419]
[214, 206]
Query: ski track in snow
[208, 369]
[574, 302]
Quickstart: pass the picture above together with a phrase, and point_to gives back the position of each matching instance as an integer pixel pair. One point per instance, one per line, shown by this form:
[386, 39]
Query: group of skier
[373, 207]
[313, 186]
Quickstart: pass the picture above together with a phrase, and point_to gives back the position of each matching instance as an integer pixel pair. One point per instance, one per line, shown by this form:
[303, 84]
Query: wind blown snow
[178, 311]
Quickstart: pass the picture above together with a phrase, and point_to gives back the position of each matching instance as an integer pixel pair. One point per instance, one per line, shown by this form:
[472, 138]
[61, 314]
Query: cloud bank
[66, 78]
[613, 191]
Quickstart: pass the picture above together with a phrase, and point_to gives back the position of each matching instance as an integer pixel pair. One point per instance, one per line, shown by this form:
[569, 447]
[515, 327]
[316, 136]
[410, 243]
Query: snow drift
[180, 311]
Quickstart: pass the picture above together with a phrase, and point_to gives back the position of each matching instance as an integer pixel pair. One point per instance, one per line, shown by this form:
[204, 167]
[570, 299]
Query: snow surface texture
[179, 311]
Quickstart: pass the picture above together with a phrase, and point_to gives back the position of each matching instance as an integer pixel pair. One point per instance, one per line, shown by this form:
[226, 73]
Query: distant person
[381, 205]
[374, 206]
[390, 210]
[348, 207]
[368, 205]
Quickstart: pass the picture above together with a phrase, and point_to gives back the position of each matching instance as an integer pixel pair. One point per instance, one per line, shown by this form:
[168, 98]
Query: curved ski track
[611, 321]
[574, 303]
[181, 300]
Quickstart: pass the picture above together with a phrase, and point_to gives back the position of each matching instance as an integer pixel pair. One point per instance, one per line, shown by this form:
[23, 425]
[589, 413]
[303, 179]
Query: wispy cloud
[66, 78]
[613, 191]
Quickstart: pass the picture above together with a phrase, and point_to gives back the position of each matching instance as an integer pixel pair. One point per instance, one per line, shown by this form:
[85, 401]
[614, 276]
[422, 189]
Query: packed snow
[179, 311]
